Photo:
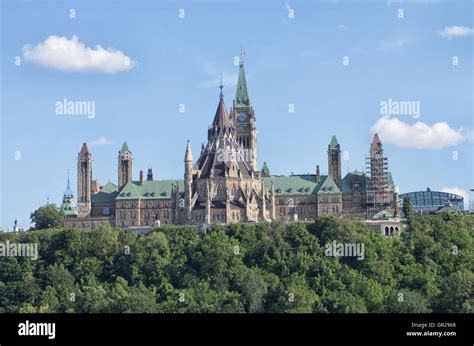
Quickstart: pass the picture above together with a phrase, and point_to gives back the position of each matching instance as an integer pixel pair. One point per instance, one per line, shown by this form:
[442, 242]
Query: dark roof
[84, 150]
[221, 117]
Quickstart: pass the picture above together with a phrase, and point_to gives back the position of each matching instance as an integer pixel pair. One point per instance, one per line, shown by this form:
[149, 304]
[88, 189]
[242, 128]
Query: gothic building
[224, 184]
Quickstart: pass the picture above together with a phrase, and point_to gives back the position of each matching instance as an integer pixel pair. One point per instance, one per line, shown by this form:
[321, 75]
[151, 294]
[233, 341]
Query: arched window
[387, 231]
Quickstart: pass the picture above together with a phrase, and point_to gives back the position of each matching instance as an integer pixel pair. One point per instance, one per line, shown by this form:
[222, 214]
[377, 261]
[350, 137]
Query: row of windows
[145, 204]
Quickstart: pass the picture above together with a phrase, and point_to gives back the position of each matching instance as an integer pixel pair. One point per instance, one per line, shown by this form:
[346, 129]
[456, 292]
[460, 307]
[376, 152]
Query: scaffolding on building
[377, 187]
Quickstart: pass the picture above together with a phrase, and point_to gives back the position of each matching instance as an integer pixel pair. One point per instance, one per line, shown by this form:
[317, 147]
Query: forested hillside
[275, 267]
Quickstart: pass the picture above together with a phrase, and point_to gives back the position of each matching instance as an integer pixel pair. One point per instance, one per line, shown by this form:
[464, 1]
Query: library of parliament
[225, 185]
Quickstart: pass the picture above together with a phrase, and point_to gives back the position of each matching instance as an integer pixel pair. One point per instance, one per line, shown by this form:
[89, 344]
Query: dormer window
[355, 183]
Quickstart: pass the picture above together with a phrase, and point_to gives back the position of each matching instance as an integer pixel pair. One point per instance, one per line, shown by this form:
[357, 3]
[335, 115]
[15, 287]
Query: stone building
[224, 185]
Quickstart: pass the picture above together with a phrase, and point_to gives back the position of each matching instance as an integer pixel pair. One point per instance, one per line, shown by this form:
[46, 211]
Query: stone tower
[334, 161]
[124, 166]
[84, 181]
[188, 181]
[244, 119]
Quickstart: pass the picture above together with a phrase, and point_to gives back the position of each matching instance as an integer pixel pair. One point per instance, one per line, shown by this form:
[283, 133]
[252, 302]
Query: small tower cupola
[149, 175]
[265, 171]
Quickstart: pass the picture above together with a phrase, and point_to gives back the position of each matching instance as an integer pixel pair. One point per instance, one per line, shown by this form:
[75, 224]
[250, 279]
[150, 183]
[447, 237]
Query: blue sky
[175, 61]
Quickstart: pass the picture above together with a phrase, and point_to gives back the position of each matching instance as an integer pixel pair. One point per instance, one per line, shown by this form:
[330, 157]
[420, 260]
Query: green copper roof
[125, 149]
[351, 178]
[292, 185]
[327, 185]
[333, 144]
[107, 193]
[241, 95]
[265, 170]
[151, 189]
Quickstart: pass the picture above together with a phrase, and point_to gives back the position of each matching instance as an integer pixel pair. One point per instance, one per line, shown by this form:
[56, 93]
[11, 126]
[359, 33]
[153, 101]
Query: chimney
[318, 175]
[149, 175]
[141, 177]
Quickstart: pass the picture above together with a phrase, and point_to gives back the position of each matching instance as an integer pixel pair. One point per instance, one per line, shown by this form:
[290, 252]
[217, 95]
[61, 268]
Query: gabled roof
[327, 185]
[107, 193]
[241, 95]
[151, 189]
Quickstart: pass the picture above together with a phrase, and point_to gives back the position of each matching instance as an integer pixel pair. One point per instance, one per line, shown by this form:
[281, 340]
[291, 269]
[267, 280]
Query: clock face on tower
[241, 119]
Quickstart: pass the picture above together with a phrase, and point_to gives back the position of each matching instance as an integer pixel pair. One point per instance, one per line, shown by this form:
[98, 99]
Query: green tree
[457, 292]
[47, 216]
[407, 209]
[407, 301]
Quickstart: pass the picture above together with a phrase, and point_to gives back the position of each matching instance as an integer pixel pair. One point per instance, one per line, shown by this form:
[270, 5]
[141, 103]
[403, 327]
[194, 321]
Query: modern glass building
[425, 202]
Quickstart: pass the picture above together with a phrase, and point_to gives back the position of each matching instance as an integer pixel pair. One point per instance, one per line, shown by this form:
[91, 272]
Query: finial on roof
[221, 86]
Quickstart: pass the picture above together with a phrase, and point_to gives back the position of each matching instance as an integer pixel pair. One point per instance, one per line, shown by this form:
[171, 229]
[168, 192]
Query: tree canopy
[278, 267]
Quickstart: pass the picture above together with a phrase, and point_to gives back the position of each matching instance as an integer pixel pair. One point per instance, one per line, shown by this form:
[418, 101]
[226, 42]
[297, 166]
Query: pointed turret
[124, 166]
[221, 117]
[241, 95]
[188, 157]
[124, 150]
[84, 150]
[188, 180]
[376, 145]
[68, 206]
[265, 171]
[334, 143]
[84, 181]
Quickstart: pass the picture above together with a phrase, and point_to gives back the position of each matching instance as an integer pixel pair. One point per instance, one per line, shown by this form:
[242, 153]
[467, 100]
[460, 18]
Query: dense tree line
[244, 268]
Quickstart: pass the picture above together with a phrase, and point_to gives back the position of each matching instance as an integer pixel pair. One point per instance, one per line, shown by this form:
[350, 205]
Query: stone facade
[223, 184]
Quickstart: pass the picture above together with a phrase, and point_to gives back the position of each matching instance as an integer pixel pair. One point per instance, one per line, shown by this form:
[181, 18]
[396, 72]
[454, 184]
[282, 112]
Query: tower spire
[68, 192]
[241, 95]
[221, 86]
[242, 54]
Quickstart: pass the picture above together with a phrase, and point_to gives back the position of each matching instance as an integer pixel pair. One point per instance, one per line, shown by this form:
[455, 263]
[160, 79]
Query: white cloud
[460, 192]
[342, 27]
[456, 31]
[419, 135]
[61, 53]
[100, 142]
[394, 43]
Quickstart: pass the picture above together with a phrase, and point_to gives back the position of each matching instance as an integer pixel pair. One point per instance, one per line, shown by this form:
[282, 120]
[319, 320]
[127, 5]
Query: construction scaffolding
[377, 188]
